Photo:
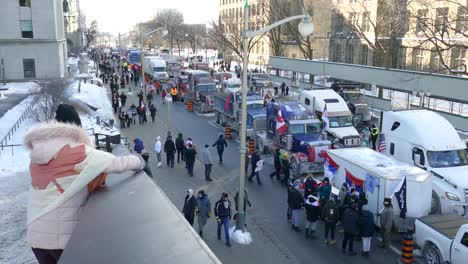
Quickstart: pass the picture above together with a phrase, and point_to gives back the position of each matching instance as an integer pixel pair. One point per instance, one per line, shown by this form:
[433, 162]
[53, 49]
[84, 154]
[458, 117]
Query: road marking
[205, 114]
[213, 124]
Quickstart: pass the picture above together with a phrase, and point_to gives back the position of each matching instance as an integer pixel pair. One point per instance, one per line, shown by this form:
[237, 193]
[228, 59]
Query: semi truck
[201, 90]
[341, 131]
[133, 56]
[155, 67]
[228, 107]
[442, 238]
[379, 176]
[357, 105]
[303, 139]
[427, 140]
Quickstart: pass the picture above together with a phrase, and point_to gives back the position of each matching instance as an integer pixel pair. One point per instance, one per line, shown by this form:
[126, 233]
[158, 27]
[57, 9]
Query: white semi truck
[427, 140]
[155, 67]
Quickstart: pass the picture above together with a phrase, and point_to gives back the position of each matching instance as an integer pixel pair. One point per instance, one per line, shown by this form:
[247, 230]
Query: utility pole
[3, 72]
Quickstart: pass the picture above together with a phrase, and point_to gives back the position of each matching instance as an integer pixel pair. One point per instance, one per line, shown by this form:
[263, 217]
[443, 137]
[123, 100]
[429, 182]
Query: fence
[6, 138]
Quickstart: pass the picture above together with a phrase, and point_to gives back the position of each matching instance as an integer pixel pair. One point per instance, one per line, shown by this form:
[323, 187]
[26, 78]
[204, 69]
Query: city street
[273, 239]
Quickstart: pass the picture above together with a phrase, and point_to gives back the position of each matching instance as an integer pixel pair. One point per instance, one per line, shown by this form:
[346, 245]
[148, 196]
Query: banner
[354, 182]
[400, 195]
[371, 183]
[330, 167]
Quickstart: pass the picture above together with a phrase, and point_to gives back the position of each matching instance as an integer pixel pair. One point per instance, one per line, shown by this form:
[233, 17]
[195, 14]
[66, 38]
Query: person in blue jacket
[139, 147]
[366, 228]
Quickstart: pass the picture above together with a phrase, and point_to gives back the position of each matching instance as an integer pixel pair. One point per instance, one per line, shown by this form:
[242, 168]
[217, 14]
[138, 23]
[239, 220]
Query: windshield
[351, 96]
[183, 80]
[205, 88]
[297, 129]
[313, 128]
[159, 69]
[340, 121]
[451, 158]
[254, 106]
[233, 86]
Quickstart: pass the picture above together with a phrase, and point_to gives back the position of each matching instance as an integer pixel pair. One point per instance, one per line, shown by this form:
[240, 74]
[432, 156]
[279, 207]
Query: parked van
[341, 130]
[427, 140]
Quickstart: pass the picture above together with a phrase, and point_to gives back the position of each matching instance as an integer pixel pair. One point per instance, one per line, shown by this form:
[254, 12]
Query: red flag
[281, 126]
[354, 181]
[226, 105]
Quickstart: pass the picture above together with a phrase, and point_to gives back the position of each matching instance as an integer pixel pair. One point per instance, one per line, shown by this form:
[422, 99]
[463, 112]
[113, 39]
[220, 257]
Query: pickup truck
[443, 238]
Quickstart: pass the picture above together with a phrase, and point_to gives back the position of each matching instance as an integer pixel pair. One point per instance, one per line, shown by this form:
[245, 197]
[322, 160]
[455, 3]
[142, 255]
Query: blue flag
[371, 183]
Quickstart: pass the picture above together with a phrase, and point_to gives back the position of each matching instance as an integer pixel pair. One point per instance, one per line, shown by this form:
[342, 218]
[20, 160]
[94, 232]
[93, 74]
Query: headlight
[452, 197]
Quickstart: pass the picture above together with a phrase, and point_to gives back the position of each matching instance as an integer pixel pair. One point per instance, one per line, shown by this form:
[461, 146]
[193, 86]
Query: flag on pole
[281, 126]
[326, 121]
[400, 195]
[382, 145]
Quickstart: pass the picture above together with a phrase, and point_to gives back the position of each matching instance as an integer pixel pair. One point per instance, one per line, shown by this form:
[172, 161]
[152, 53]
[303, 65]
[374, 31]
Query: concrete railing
[133, 221]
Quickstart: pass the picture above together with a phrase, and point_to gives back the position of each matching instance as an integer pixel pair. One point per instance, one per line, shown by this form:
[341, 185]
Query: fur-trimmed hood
[45, 140]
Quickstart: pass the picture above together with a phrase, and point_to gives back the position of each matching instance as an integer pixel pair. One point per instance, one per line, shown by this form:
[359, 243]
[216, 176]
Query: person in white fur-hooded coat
[65, 167]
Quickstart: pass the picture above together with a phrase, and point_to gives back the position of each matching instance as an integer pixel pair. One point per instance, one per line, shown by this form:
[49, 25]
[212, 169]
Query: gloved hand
[196, 211]
[218, 220]
[209, 214]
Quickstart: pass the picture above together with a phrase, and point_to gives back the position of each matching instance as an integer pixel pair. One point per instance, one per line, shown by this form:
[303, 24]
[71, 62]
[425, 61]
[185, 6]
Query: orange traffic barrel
[407, 249]
[190, 106]
[251, 145]
[228, 132]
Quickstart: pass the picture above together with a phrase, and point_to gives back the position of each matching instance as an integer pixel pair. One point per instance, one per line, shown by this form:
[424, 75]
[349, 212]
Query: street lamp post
[142, 36]
[305, 28]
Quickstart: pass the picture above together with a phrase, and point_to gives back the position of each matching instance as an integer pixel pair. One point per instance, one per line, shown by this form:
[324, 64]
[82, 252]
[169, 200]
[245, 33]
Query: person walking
[138, 145]
[312, 215]
[257, 166]
[122, 114]
[366, 228]
[386, 223]
[222, 212]
[246, 202]
[190, 204]
[203, 210]
[366, 136]
[286, 165]
[350, 227]
[190, 155]
[163, 96]
[123, 98]
[152, 112]
[180, 145]
[277, 164]
[157, 149]
[330, 216]
[296, 204]
[208, 162]
[287, 90]
[283, 87]
[220, 145]
[64, 169]
[343, 197]
[374, 135]
[169, 149]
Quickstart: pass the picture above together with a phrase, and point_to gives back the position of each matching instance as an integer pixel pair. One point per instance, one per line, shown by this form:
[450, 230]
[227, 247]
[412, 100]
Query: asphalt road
[273, 239]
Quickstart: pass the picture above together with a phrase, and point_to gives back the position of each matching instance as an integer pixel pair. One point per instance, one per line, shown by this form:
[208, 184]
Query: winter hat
[190, 192]
[158, 138]
[67, 114]
[207, 146]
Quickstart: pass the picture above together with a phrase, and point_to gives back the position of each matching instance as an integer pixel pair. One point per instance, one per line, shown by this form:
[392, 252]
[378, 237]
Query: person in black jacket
[257, 166]
[366, 228]
[296, 204]
[310, 186]
[190, 154]
[190, 204]
[350, 227]
[222, 212]
[286, 168]
[152, 112]
[180, 145]
[169, 148]
[277, 164]
[220, 145]
[312, 215]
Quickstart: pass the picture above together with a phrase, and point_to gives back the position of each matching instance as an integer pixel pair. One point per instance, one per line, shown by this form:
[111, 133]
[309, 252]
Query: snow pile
[243, 238]
[9, 118]
[2, 96]
[21, 88]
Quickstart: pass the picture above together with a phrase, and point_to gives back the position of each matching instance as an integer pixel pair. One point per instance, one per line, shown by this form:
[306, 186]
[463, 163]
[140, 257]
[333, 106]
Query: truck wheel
[432, 255]
[435, 204]
[295, 168]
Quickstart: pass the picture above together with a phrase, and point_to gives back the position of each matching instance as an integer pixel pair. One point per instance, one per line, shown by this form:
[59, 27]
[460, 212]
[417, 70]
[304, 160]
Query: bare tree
[90, 32]
[170, 18]
[194, 35]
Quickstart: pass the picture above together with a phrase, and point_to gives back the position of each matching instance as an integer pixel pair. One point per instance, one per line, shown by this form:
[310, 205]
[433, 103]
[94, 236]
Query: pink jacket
[59, 155]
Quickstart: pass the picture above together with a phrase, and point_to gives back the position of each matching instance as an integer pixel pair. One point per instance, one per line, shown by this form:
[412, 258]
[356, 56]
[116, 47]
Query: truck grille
[354, 141]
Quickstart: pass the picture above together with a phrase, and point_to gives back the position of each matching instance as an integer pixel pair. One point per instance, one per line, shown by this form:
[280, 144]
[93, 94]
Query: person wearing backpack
[330, 216]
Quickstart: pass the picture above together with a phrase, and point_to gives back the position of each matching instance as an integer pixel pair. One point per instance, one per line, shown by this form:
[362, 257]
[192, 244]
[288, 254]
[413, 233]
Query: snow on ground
[243, 238]
[9, 118]
[20, 88]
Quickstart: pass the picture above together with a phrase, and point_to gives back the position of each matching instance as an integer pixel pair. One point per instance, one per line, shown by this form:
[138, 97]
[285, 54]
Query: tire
[432, 255]
[435, 204]
[294, 168]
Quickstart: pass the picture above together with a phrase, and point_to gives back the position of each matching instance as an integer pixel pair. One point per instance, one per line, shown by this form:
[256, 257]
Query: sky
[116, 16]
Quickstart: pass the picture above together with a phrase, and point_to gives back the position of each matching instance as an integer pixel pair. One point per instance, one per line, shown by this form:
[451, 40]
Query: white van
[341, 131]
[427, 140]
[387, 173]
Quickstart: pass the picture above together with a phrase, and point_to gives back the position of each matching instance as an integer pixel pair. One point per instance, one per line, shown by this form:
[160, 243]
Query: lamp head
[306, 27]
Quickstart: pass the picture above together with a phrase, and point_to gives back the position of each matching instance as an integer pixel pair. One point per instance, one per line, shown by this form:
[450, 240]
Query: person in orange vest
[174, 94]
[158, 86]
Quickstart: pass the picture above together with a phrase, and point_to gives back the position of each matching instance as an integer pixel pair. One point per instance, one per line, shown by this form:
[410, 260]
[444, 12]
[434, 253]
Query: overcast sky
[116, 16]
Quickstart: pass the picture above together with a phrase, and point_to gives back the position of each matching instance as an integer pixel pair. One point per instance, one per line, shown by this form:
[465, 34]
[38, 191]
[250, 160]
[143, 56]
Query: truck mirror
[417, 160]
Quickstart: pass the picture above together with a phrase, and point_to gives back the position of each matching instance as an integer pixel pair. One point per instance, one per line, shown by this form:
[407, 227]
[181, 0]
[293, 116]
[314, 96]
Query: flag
[281, 126]
[400, 195]
[371, 183]
[354, 182]
[226, 105]
[330, 166]
[326, 121]
[382, 145]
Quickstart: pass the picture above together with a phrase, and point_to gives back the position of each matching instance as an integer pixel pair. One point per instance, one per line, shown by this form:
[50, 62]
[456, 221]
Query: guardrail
[15, 127]
[12, 146]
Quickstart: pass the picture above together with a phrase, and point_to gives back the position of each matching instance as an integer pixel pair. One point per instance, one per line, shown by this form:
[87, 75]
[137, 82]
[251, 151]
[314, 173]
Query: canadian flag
[281, 126]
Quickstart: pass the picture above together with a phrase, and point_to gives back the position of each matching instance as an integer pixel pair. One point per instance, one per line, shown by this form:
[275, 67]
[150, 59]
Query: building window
[353, 18]
[436, 60]
[337, 53]
[462, 19]
[364, 55]
[349, 58]
[418, 59]
[339, 24]
[25, 3]
[421, 20]
[29, 68]
[365, 21]
[458, 59]
[26, 29]
[441, 22]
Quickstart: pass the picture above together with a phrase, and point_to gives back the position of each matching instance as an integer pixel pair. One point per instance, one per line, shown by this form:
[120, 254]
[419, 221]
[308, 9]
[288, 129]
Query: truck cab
[427, 140]
[303, 139]
[341, 130]
[173, 68]
[182, 83]
[261, 82]
[357, 105]
[155, 67]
